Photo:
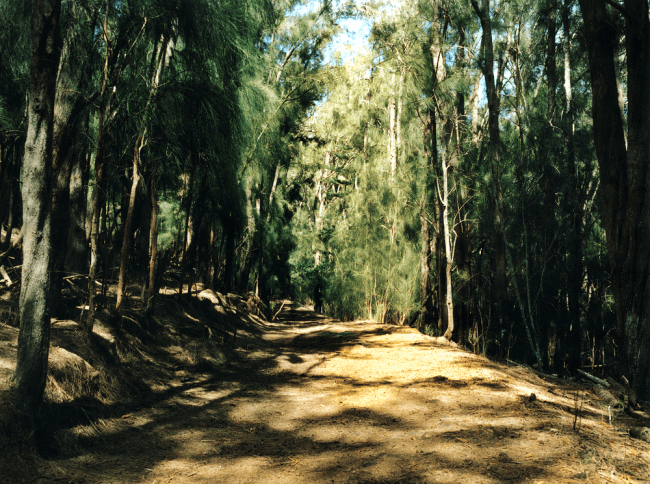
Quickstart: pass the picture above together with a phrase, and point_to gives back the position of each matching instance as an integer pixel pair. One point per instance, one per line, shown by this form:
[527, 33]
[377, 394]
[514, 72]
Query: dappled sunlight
[370, 403]
[316, 401]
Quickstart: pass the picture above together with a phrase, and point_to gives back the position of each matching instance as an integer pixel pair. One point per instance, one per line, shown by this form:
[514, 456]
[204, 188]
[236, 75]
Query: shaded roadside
[310, 399]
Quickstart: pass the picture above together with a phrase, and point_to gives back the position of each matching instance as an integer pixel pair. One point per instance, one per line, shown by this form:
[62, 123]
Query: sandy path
[318, 401]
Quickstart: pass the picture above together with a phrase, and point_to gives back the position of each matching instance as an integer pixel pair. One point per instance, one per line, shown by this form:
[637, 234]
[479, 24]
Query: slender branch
[286, 59]
[618, 7]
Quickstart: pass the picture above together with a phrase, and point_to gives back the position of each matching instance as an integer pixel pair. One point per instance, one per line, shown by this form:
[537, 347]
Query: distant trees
[445, 177]
[491, 210]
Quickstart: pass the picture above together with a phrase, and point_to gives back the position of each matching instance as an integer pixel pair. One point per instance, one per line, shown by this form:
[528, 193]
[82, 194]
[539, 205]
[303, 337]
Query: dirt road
[316, 401]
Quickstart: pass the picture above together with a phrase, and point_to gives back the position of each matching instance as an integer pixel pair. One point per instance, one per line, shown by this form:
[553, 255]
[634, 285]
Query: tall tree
[70, 120]
[624, 170]
[35, 296]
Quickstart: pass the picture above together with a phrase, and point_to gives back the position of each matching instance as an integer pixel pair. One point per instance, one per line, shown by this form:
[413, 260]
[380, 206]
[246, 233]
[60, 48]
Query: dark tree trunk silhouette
[624, 173]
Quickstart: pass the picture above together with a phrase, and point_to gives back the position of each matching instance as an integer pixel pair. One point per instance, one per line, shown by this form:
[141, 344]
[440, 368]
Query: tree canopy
[476, 168]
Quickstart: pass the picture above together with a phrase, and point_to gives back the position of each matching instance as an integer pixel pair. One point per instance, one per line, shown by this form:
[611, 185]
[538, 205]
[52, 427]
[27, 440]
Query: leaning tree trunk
[35, 295]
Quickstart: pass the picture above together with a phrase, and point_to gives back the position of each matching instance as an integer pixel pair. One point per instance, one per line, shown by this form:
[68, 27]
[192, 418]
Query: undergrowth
[128, 360]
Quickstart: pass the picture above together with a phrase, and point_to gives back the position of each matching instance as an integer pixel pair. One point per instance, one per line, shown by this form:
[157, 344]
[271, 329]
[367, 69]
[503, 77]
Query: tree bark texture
[625, 178]
[35, 296]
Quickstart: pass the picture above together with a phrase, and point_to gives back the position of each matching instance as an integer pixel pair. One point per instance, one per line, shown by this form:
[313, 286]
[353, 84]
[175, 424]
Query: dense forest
[476, 168]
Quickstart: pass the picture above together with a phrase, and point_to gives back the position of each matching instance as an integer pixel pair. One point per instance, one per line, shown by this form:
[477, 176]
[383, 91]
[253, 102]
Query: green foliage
[363, 232]
[251, 138]
[169, 220]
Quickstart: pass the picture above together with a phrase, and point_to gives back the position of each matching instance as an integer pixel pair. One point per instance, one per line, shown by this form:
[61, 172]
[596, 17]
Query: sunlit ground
[316, 401]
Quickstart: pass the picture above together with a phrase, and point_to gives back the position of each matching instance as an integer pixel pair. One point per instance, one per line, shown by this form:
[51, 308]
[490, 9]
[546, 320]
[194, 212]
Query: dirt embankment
[308, 399]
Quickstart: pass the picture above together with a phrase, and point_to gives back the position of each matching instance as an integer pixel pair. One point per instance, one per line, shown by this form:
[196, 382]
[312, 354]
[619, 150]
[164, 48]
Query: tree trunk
[426, 293]
[68, 139]
[624, 174]
[142, 245]
[10, 216]
[440, 71]
[574, 289]
[35, 295]
[320, 202]
[392, 140]
[503, 257]
[11, 182]
[426, 205]
[244, 275]
[493, 101]
[151, 292]
[398, 120]
[228, 272]
[128, 236]
[551, 69]
[98, 189]
[209, 281]
[77, 249]
[449, 303]
[186, 232]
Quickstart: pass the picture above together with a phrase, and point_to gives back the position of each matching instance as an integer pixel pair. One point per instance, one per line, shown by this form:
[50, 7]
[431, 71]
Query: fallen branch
[278, 310]
[594, 379]
[5, 276]
[518, 364]
[534, 370]
[75, 276]
[91, 422]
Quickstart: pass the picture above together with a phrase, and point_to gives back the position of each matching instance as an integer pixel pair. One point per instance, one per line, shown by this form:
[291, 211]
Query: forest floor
[308, 399]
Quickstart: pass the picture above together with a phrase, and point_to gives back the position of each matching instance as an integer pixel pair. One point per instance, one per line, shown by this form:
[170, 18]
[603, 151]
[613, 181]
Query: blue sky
[356, 33]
